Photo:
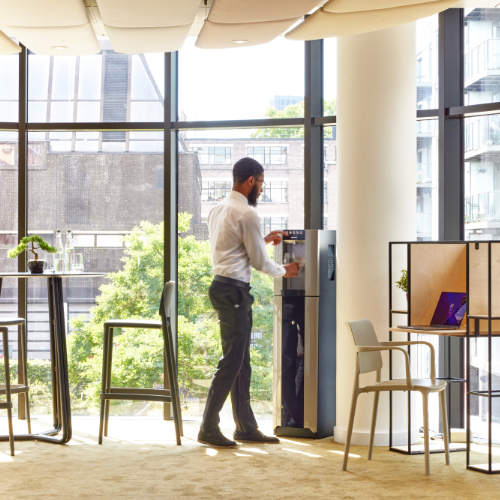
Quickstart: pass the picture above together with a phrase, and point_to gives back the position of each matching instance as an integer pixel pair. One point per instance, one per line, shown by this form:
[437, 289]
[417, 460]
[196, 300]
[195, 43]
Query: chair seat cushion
[132, 323]
[419, 384]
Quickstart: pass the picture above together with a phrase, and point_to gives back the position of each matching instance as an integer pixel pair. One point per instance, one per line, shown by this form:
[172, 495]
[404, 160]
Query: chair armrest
[391, 348]
[412, 342]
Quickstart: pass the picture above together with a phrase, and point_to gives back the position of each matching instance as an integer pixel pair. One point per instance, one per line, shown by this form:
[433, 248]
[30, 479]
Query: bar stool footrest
[124, 396]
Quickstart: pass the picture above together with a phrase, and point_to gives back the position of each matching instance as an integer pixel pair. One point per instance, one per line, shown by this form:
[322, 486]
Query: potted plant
[34, 266]
[403, 282]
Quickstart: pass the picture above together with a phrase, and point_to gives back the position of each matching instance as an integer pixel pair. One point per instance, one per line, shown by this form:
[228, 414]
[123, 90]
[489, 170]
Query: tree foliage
[135, 292]
[292, 111]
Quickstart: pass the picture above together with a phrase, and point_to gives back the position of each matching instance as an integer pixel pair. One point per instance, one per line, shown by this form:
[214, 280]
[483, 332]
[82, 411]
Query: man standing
[236, 246]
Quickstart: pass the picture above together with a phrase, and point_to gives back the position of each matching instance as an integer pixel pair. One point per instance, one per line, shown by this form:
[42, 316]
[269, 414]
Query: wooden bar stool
[139, 394]
[9, 389]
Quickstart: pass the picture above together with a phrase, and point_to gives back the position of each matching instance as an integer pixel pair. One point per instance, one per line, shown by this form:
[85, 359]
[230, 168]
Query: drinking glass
[78, 263]
[59, 264]
[288, 258]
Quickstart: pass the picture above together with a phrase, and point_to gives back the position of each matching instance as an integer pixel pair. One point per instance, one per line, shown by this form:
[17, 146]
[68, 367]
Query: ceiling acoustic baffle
[8, 46]
[51, 27]
[137, 27]
[240, 23]
[327, 22]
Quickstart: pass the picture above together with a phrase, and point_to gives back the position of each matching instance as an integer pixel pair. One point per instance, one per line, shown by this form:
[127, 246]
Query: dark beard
[252, 196]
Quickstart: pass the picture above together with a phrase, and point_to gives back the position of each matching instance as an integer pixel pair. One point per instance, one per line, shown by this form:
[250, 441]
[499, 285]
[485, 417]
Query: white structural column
[376, 204]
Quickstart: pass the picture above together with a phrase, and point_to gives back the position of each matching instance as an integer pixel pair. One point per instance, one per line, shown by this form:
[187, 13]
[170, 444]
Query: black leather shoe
[215, 439]
[255, 437]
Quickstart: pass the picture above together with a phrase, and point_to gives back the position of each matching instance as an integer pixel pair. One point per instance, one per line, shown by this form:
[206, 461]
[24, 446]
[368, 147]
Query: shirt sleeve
[256, 248]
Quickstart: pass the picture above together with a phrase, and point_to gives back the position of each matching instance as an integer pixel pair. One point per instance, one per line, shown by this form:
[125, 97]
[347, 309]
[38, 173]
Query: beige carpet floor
[140, 460]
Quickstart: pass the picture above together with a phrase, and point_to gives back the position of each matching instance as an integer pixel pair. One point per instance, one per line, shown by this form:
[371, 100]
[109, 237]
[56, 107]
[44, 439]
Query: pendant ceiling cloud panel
[325, 24]
[226, 36]
[149, 25]
[240, 23]
[8, 46]
[51, 27]
[342, 6]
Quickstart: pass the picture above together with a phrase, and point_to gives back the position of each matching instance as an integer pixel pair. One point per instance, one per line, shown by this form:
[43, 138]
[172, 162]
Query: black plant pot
[37, 266]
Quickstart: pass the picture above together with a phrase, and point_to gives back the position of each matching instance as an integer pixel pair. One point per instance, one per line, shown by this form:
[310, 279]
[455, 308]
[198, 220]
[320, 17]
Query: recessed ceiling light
[59, 47]
[240, 41]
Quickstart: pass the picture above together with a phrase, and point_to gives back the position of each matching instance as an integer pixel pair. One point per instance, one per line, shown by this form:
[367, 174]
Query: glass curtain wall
[107, 188]
[265, 81]
[205, 162]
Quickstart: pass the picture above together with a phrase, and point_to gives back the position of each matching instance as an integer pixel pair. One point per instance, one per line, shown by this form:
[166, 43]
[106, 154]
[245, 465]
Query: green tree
[292, 111]
[135, 291]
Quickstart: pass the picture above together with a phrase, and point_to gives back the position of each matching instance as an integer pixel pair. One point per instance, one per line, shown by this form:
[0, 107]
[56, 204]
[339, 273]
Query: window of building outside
[275, 191]
[214, 155]
[482, 56]
[280, 206]
[268, 155]
[215, 190]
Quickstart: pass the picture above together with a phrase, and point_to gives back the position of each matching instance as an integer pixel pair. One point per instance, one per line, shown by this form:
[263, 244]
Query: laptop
[449, 313]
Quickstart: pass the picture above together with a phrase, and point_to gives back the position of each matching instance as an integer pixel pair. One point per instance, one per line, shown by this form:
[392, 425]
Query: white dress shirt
[236, 244]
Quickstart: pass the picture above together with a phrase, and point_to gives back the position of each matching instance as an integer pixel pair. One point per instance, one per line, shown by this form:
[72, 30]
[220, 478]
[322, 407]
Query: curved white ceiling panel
[323, 24]
[147, 13]
[38, 13]
[225, 36]
[257, 11]
[8, 46]
[340, 6]
[143, 40]
[57, 41]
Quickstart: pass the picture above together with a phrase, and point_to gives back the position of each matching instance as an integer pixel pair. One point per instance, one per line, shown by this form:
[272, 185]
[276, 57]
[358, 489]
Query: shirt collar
[238, 196]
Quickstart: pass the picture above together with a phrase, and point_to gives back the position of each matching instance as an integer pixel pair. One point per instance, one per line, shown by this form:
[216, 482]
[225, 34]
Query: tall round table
[61, 403]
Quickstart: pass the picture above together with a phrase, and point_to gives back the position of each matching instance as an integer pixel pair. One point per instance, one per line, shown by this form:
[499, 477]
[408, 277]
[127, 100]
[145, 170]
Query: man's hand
[275, 237]
[292, 270]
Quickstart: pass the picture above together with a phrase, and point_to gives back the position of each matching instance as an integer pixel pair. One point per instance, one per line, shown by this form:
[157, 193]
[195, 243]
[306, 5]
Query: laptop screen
[450, 309]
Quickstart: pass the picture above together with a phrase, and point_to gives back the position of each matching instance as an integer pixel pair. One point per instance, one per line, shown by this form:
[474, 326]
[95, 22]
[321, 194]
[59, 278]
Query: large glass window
[112, 204]
[202, 185]
[427, 180]
[248, 82]
[482, 56]
[330, 177]
[9, 88]
[427, 63]
[330, 76]
[106, 87]
[8, 229]
[482, 178]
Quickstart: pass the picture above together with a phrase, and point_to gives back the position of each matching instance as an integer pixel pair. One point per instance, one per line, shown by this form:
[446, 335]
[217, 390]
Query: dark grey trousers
[234, 307]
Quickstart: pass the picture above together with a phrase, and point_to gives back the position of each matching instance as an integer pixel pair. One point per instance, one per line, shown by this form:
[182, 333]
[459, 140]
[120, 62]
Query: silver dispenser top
[299, 246]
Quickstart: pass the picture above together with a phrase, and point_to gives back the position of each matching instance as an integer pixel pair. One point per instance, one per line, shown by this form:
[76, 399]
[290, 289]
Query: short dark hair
[245, 168]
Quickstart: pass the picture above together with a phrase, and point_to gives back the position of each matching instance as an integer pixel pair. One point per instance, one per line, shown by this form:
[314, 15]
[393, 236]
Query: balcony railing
[426, 126]
[483, 207]
[484, 57]
[424, 73]
[482, 132]
[424, 173]
[424, 223]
